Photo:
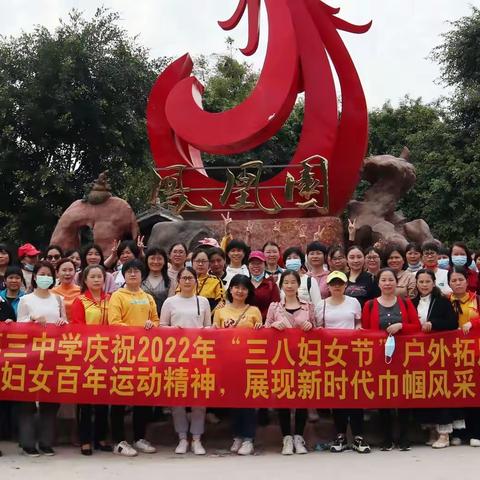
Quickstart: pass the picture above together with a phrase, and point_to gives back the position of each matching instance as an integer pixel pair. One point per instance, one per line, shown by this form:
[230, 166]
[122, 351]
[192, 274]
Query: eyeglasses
[187, 279]
[53, 257]
[429, 253]
[338, 258]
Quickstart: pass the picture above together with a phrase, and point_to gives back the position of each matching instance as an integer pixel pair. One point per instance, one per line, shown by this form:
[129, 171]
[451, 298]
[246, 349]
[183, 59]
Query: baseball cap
[337, 275]
[258, 255]
[27, 250]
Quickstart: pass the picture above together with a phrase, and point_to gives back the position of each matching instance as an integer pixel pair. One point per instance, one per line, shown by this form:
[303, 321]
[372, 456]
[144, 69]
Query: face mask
[258, 278]
[293, 264]
[188, 264]
[443, 263]
[44, 281]
[389, 349]
[459, 260]
[28, 267]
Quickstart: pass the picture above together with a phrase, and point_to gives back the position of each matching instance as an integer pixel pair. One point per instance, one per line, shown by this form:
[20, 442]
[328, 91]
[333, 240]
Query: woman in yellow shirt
[240, 313]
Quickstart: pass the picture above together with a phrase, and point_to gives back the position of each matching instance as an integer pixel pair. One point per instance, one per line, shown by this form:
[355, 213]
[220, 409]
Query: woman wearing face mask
[413, 254]
[316, 258]
[393, 314]
[157, 282]
[74, 256]
[336, 259]
[467, 308]
[291, 313]
[28, 257]
[91, 308]
[373, 261]
[66, 288]
[14, 288]
[460, 256]
[436, 315]
[53, 254]
[396, 260]
[430, 251]
[41, 307]
[272, 255]
[130, 306]
[218, 264]
[361, 285]
[237, 255]
[187, 310]
[208, 286]
[92, 255]
[240, 313]
[177, 256]
[342, 312]
[5, 261]
[126, 251]
[309, 291]
[266, 290]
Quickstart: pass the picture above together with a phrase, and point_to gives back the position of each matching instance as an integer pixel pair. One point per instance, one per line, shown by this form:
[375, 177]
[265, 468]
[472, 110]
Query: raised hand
[318, 235]
[352, 228]
[140, 243]
[227, 222]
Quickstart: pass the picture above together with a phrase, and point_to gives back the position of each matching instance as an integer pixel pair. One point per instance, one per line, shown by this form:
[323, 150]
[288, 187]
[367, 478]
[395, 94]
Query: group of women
[416, 289]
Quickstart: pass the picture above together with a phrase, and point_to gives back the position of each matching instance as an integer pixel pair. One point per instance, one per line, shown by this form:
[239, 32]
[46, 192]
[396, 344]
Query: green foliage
[72, 104]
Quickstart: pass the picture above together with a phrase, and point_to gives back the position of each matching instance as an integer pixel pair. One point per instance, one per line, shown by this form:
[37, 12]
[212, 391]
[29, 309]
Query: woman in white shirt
[41, 307]
[340, 311]
[187, 310]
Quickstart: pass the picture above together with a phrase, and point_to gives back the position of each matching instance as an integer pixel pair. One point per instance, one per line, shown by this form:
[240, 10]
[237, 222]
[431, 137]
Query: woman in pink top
[291, 313]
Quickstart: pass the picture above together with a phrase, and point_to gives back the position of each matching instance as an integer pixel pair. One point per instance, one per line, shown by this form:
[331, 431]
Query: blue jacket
[15, 302]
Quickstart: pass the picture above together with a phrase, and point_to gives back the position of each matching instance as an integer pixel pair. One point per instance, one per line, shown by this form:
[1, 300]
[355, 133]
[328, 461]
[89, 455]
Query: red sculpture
[324, 171]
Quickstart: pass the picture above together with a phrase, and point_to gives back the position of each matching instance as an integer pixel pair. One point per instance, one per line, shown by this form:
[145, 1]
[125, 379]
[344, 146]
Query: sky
[392, 58]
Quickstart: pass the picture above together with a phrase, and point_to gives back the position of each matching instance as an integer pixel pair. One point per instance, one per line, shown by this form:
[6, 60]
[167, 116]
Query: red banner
[237, 368]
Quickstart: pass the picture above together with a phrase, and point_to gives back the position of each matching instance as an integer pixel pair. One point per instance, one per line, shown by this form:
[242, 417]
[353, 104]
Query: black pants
[244, 422]
[92, 430]
[47, 415]
[342, 417]
[285, 424]
[472, 422]
[141, 417]
[387, 417]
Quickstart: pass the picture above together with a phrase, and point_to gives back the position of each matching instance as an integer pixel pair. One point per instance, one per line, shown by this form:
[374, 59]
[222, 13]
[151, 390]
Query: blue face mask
[44, 281]
[293, 264]
[459, 260]
[28, 267]
[188, 264]
[389, 349]
[443, 263]
[258, 278]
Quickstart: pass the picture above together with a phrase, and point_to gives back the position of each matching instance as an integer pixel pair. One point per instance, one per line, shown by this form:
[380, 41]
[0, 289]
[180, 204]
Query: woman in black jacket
[436, 314]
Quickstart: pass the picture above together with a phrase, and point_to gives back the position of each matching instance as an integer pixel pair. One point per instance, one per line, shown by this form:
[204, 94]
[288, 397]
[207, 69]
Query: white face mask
[389, 349]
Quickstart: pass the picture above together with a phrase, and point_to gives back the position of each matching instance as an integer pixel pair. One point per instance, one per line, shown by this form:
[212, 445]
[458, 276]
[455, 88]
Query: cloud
[391, 58]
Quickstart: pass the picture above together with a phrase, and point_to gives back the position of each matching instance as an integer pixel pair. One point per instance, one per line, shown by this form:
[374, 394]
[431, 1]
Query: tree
[72, 104]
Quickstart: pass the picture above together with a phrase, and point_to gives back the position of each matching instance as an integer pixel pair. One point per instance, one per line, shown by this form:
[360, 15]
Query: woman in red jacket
[394, 315]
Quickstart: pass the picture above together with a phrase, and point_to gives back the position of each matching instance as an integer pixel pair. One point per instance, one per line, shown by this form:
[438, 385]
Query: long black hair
[158, 251]
[436, 292]
[244, 281]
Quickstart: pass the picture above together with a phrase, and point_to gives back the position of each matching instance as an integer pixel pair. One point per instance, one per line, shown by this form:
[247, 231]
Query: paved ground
[420, 463]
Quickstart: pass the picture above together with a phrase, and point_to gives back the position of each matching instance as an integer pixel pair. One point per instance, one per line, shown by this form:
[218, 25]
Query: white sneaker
[474, 442]
[197, 447]
[299, 444]
[125, 449]
[182, 447]
[237, 443]
[144, 446]
[455, 441]
[287, 445]
[246, 448]
[212, 419]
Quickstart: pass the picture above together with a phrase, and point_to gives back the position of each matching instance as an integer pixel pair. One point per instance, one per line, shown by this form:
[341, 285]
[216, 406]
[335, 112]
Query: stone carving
[376, 217]
[108, 217]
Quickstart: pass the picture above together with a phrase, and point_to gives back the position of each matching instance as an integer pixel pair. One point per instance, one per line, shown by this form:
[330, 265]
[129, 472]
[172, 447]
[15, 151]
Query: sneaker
[386, 447]
[360, 445]
[212, 419]
[30, 452]
[182, 447]
[287, 445]
[197, 447]
[246, 448]
[339, 444]
[313, 415]
[455, 441]
[144, 446]
[237, 443]
[442, 441]
[125, 449]
[404, 447]
[299, 445]
[474, 442]
[47, 451]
